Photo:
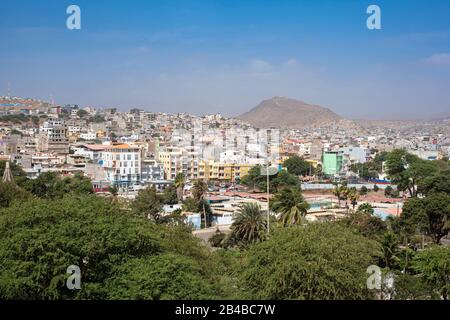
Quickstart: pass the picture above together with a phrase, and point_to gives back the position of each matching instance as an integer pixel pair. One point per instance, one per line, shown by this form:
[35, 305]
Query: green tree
[370, 169]
[113, 190]
[297, 166]
[50, 185]
[277, 181]
[439, 182]
[430, 215]
[365, 208]
[363, 190]
[407, 170]
[249, 225]
[10, 192]
[253, 178]
[433, 265]
[115, 251]
[218, 239]
[290, 205]
[389, 247]
[77, 184]
[148, 204]
[388, 191]
[167, 276]
[82, 113]
[202, 207]
[340, 190]
[170, 195]
[199, 190]
[353, 196]
[180, 181]
[20, 177]
[302, 263]
[364, 222]
[318, 170]
[412, 287]
[364, 170]
[283, 179]
[190, 205]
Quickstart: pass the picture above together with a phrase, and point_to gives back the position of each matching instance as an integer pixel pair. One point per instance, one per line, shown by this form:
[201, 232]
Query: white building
[122, 164]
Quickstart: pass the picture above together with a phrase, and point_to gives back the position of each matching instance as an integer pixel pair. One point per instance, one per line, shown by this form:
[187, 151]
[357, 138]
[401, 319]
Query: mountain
[280, 112]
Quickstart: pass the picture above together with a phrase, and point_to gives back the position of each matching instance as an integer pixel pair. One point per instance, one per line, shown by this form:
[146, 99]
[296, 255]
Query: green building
[332, 163]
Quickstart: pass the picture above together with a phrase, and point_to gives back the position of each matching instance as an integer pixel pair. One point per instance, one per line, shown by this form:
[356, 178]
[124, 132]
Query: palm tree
[291, 206]
[199, 190]
[353, 196]
[341, 192]
[249, 224]
[389, 248]
[180, 181]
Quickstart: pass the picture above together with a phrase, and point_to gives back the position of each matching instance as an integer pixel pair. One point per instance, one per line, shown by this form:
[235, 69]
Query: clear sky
[208, 56]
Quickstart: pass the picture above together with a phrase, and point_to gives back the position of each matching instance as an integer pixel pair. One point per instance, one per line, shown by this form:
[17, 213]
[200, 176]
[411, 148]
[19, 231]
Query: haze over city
[227, 56]
[244, 156]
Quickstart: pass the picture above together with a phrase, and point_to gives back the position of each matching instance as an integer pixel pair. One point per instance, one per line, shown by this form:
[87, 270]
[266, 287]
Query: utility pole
[268, 193]
[268, 199]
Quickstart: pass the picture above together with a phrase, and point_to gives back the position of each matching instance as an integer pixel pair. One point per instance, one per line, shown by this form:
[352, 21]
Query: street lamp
[268, 197]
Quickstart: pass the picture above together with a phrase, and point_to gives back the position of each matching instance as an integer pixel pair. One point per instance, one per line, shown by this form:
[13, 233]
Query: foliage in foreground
[319, 261]
[120, 255]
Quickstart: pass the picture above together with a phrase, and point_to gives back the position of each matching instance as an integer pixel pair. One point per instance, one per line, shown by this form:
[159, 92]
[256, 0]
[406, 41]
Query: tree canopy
[297, 166]
[121, 256]
[434, 267]
[430, 215]
[19, 176]
[407, 170]
[51, 185]
[320, 261]
[291, 206]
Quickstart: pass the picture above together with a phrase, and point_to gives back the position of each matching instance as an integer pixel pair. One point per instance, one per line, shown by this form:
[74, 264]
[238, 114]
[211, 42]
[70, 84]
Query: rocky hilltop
[280, 112]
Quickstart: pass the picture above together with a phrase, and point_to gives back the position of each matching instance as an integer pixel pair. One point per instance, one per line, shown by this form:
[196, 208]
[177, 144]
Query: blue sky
[226, 56]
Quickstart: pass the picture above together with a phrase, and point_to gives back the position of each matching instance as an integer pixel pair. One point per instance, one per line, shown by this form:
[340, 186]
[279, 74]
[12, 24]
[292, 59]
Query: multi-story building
[223, 171]
[151, 170]
[91, 151]
[332, 163]
[122, 164]
[57, 132]
[179, 160]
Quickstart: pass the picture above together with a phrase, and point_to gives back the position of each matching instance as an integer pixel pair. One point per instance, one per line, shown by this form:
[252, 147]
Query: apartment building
[179, 160]
[122, 164]
[57, 133]
[151, 170]
[223, 171]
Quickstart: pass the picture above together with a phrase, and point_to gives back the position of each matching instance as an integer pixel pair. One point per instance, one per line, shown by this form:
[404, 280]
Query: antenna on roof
[8, 93]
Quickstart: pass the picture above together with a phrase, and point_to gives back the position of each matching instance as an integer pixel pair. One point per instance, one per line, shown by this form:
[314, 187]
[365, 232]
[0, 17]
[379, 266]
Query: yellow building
[223, 171]
[175, 161]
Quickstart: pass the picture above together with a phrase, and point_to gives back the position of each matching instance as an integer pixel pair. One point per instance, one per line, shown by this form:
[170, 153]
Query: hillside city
[210, 173]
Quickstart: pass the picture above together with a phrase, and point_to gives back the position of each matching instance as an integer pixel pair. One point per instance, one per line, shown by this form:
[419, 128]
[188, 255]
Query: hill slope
[283, 112]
